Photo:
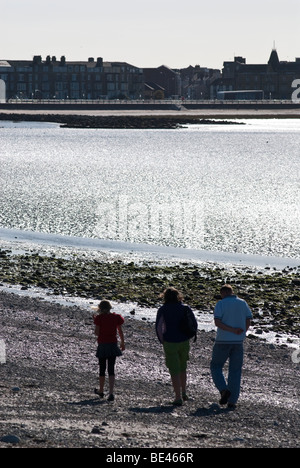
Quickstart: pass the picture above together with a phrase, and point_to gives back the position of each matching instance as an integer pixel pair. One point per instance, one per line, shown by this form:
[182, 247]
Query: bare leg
[179, 384]
[176, 386]
[183, 382]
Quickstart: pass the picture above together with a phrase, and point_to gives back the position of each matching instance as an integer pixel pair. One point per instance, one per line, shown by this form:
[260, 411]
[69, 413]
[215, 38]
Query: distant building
[62, 79]
[95, 79]
[154, 91]
[188, 83]
[162, 82]
[196, 81]
[274, 79]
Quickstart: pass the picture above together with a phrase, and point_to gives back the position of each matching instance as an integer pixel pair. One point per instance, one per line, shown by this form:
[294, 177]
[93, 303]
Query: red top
[108, 324]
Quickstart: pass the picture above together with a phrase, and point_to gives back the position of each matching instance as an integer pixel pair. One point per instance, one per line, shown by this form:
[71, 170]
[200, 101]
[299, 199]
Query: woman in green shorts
[175, 342]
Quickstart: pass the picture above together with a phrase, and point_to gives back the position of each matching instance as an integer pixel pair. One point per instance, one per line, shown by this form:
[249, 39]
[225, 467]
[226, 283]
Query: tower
[273, 60]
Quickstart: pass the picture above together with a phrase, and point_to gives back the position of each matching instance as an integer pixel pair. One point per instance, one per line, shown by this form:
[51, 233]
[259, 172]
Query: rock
[200, 435]
[96, 430]
[16, 389]
[10, 439]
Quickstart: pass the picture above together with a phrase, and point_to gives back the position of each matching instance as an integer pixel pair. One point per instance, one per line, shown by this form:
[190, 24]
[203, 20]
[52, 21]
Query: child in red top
[107, 325]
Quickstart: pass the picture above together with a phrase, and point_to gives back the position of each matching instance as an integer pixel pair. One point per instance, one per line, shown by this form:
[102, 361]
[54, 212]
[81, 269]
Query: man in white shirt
[232, 319]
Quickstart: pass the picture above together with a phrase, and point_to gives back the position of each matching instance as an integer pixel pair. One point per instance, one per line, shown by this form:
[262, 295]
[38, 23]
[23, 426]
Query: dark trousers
[110, 362]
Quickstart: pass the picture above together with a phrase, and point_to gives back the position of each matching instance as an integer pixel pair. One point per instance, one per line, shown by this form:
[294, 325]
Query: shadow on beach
[168, 408]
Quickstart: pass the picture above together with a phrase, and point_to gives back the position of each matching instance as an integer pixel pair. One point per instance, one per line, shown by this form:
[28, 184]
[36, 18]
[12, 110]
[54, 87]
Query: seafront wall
[89, 106]
[163, 105]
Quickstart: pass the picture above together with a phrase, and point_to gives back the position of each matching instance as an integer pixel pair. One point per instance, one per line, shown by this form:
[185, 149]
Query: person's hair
[104, 307]
[171, 295]
[226, 289]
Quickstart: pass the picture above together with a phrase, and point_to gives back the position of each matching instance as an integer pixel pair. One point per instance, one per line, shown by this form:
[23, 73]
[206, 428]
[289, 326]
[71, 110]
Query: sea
[225, 193]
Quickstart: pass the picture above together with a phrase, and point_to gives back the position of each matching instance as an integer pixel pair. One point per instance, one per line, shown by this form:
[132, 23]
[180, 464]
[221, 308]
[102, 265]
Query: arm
[122, 344]
[96, 331]
[248, 323]
[223, 326]
[160, 326]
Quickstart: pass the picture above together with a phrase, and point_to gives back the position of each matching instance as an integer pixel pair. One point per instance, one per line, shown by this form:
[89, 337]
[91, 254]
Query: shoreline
[19, 240]
[134, 278]
[143, 119]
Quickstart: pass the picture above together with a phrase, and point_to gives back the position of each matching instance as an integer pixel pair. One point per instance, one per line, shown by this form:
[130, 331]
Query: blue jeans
[221, 353]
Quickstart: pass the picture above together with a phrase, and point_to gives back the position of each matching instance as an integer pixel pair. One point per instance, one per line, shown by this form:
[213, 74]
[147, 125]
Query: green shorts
[177, 355]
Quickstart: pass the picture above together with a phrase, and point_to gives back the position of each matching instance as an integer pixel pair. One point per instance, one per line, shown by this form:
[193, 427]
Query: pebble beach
[47, 381]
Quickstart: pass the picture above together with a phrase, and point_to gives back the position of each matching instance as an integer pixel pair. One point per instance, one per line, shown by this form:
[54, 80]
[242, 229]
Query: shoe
[178, 402]
[97, 392]
[231, 406]
[111, 397]
[185, 397]
[225, 394]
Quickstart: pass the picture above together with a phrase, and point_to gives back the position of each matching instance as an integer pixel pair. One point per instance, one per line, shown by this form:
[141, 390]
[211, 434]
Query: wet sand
[142, 119]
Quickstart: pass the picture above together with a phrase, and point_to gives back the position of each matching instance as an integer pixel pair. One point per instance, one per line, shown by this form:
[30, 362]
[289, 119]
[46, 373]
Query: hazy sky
[151, 33]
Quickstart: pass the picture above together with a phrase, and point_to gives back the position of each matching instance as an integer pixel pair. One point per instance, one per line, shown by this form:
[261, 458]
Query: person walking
[232, 317]
[107, 325]
[176, 345]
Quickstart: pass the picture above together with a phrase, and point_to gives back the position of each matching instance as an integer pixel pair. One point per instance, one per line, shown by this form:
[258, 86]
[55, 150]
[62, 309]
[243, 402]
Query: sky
[150, 33]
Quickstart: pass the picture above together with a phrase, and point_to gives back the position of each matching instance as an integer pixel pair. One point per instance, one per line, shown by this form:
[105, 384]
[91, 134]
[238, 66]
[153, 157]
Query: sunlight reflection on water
[221, 188]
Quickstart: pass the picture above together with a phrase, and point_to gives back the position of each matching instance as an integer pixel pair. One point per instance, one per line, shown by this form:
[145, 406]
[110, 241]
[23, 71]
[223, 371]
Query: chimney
[37, 59]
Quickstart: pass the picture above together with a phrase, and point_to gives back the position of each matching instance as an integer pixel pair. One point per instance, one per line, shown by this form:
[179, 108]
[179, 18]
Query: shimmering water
[223, 188]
